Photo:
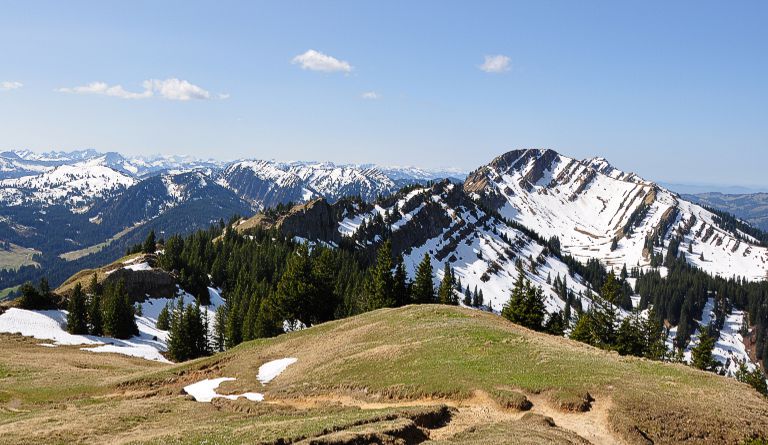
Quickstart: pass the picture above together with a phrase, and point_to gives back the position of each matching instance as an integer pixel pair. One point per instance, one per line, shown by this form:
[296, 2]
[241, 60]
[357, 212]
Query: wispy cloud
[106, 90]
[171, 89]
[370, 95]
[8, 85]
[496, 64]
[317, 61]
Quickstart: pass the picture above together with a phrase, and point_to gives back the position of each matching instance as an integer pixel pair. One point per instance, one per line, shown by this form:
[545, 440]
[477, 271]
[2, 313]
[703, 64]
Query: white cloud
[7, 85]
[106, 90]
[496, 64]
[370, 95]
[317, 61]
[175, 89]
[171, 89]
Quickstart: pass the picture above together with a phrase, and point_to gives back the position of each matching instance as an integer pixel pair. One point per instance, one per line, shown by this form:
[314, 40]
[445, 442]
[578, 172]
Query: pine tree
[653, 334]
[402, 296]
[149, 243]
[702, 353]
[219, 329]
[119, 319]
[268, 322]
[467, 300]
[445, 294]
[381, 293]
[95, 315]
[77, 316]
[178, 341]
[163, 318]
[526, 304]
[582, 330]
[93, 286]
[296, 289]
[629, 337]
[423, 288]
[755, 378]
[556, 324]
[477, 298]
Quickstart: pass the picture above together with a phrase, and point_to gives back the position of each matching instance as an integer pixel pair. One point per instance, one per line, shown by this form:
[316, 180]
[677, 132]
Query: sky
[675, 91]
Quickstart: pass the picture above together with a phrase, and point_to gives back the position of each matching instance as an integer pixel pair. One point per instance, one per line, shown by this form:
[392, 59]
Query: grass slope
[382, 377]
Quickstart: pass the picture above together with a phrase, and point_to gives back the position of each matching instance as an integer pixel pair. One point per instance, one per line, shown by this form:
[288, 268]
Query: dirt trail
[481, 409]
[592, 425]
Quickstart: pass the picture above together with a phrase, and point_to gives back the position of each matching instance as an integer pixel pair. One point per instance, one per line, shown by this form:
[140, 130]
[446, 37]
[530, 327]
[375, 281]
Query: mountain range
[83, 208]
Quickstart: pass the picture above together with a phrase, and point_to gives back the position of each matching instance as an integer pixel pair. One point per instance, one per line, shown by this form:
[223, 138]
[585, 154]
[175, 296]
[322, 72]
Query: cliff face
[141, 283]
[315, 220]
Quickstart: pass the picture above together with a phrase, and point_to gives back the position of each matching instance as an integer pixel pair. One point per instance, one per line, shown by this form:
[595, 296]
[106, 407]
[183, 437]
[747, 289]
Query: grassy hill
[418, 374]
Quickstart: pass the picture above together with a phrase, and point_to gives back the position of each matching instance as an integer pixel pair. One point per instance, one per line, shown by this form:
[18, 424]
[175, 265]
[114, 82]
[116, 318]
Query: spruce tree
[178, 341]
[653, 334]
[219, 329]
[401, 291]
[119, 319]
[296, 290]
[556, 324]
[702, 353]
[755, 378]
[149, 243]
[526, 304]
[423, 288]
[382, 285]
[629, 337]
[77, 316]
[95, 315]
[445, 294]
[467, 300]
[163, 318]
[477, 298]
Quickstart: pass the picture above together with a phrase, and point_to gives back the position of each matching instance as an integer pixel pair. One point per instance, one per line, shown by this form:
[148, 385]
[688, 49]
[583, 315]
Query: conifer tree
[268, 321]
[119, 320]
[423, 288]
[467, 300]
[653, 333]
[77, 316]
[702, 353]
[556, 324]
[526, 304]
[95, 315]
[382, 289]
[477, 298]
[629, 337]
[163, 318]
[402, 296]
[149, 243]
[219, 329]
[178, 341]
[445, 294]
[755, 378]
[93, 286]
[296, 290]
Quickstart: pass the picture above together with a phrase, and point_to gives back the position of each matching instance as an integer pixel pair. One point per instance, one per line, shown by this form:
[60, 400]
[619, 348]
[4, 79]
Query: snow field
[205, 390]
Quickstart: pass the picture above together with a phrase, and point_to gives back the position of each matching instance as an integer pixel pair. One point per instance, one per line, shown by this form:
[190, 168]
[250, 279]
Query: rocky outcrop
[141, 283]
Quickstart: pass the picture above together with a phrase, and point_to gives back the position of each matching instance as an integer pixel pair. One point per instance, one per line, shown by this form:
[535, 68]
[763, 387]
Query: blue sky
[675, 91]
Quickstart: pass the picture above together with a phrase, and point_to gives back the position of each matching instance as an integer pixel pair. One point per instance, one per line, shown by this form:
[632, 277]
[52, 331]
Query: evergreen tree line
[269, 279]
[102, 310]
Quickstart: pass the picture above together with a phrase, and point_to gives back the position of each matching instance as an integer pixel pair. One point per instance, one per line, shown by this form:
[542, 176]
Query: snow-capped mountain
[74, 185]
[78, 178]
[157, 195]
[599, 211]
[14, 164]
[443, 221]
[268, 183]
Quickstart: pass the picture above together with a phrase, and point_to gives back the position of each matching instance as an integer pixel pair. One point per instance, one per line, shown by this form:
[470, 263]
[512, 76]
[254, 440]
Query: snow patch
[205, 391]
[268, 371]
